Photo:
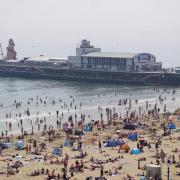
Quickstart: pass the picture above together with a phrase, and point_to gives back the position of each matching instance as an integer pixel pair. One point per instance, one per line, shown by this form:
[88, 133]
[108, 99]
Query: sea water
[90, 95]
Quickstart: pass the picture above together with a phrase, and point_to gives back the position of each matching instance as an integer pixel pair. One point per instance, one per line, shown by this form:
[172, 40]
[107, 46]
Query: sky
[55, 27]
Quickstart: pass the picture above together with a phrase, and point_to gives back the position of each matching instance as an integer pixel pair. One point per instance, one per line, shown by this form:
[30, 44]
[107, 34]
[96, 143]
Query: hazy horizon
[55, 27]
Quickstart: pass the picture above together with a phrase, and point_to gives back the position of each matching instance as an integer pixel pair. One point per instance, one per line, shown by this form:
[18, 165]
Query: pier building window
[106, 61]
[103, 62]
[81, 60]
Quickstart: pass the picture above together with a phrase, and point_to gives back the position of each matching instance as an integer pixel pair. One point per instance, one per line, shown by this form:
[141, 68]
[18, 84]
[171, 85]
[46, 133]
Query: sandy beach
[109, 158]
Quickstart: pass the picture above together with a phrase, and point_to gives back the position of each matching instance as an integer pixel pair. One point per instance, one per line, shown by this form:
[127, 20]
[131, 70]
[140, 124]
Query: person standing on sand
[8, 169]
[100, 146]
[139, 164]
[102, 172]
[27, 149]
[45, 158]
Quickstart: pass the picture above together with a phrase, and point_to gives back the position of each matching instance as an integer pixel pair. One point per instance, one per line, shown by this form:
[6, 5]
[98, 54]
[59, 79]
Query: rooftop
[110, 54]
[46, 59]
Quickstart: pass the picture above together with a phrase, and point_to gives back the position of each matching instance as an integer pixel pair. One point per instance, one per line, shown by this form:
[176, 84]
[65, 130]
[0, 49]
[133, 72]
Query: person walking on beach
[45, 158]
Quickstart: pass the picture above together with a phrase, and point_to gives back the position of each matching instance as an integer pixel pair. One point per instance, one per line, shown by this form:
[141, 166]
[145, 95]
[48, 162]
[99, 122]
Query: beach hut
[20, 144]
[135, 151]
[57, 151]
[133, 136]
[154, 171]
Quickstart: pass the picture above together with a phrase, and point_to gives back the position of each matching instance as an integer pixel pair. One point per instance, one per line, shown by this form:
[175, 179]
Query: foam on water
[8, 120]
[145, 100]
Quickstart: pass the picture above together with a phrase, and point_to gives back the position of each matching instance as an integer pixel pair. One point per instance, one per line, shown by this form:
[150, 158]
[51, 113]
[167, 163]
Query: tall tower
[11, 53]
[86, 48]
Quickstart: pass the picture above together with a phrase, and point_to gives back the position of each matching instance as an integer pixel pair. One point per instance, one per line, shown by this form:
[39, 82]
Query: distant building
[177, 69]
[84, 49]
[45, 61]
[89, 57]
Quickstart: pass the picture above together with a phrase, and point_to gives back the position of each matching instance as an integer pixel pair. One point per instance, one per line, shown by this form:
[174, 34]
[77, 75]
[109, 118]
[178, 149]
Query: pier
[132, 78]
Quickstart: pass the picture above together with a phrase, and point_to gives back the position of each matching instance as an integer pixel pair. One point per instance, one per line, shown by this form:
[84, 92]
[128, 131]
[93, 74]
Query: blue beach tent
[113, 143]
[87, 128]
[20, 144]
[6, 145]
[67, 143]
[135, 151]
[120, 142]
[57, 151]
[133, 137]
[172, 126]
